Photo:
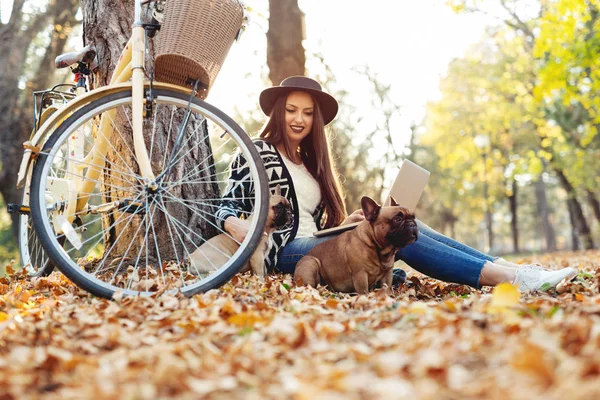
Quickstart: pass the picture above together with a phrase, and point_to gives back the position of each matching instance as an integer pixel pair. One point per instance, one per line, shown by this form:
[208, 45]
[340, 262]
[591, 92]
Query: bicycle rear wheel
[33, 257]
[123, 233]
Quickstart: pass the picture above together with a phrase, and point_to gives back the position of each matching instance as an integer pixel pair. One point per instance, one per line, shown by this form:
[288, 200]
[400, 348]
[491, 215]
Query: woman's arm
[237, 228]
[238, 199]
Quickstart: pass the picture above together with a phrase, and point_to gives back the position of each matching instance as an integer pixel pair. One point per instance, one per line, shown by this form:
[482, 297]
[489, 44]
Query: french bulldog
[357, 260]
[219, 249]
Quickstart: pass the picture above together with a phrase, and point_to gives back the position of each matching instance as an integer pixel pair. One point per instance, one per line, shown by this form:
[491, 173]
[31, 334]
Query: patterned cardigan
[240, 197]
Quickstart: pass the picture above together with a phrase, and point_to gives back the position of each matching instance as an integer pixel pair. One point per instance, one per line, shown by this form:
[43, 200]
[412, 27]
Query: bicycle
[113, 212]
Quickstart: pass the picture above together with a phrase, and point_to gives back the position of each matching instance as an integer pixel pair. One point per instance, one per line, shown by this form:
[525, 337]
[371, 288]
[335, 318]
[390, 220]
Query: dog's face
[280, 211]
[394, 224]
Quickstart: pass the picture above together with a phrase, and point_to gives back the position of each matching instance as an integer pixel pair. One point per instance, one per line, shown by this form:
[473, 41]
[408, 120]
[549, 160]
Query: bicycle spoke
[183, 228]
[94, 180]
[173, 108]
[121, 135]
[209, 221]
[198, 141]
[197, 172]
[106, 161]
[184, 246]
[124, 256]
[160, 263]
[195, 211]
[145, 246]
[113, 225]
[168, 222]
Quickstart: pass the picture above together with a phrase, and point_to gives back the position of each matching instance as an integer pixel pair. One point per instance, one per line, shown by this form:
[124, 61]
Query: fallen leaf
[505, 295]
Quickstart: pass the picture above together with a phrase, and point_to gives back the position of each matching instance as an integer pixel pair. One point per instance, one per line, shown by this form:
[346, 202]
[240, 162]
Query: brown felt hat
[327, 104]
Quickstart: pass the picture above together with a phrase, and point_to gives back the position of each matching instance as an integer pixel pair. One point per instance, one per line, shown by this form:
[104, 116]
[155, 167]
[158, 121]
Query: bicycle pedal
[13, 208]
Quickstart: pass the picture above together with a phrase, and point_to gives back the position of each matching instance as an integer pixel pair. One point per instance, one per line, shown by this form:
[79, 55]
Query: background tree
[285, 53]
[552, 143]
[46, 31]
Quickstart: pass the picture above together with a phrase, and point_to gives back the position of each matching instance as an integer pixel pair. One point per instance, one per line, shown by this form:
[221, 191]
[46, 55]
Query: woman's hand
[356, 216]
[237, 228]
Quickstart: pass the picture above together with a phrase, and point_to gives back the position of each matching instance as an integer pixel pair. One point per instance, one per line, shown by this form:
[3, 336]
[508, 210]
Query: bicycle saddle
[87, 55]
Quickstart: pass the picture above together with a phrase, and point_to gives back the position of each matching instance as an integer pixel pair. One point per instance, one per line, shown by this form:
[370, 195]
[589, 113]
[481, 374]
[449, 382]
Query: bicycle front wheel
[108, 229]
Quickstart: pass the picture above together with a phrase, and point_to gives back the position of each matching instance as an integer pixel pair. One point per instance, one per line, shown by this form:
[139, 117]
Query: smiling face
[299, 110]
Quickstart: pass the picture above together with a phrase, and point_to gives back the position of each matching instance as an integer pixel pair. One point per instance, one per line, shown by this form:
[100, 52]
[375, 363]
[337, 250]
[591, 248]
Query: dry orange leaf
[505, 295]
[3, 316]
[250, 339]
[531, 359]
[246, 319]
[331, 303]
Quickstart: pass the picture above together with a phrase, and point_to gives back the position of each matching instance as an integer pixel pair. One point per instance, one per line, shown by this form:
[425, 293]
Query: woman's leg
[430, 255]
[435, 258]
[428, 231]
[295, 250]
[440, 261]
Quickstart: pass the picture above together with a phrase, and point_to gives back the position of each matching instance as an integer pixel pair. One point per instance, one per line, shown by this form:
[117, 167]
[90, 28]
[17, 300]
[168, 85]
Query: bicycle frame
[121, 74]
[137, 91]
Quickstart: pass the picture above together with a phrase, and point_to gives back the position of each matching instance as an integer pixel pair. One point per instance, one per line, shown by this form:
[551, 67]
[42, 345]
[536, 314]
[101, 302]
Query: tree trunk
[581, 226]
[488, 212]
[574, 233]
[285, 53]
[594, 204]
[16, 105]
[543, 214]
[107, 24]
[513, 212]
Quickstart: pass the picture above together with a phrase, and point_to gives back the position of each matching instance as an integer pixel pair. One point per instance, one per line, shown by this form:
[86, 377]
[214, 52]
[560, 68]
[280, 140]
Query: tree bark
[512, 199]
[544, 214]
[581, 226]
[285, 53]
[107, 24]
[574, 233]
[594, 204]
[488, 211]
[16, 105]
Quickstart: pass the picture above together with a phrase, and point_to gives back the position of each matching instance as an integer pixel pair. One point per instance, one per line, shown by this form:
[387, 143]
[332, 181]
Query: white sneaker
[533, 277]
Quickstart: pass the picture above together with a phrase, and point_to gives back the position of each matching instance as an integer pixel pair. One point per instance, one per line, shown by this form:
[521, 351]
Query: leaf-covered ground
[273, 340]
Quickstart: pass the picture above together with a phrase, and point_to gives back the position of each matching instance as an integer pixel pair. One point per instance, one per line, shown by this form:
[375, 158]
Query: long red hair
[314, 150]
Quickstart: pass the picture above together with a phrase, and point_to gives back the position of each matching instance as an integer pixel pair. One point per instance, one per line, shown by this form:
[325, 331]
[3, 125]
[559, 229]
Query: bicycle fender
[63, 112]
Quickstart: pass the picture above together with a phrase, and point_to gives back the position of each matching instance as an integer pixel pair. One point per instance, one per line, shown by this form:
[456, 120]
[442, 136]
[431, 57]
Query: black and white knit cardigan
[240, 188]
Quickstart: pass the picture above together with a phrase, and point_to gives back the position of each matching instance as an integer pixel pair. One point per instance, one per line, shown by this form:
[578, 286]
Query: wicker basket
[195, 37]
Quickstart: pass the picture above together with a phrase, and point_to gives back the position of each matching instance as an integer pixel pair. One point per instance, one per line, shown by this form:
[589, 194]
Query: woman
[295, 151]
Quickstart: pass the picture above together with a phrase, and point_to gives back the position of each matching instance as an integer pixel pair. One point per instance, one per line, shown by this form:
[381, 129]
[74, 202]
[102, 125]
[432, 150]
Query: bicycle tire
[76, 264]
[33, 257]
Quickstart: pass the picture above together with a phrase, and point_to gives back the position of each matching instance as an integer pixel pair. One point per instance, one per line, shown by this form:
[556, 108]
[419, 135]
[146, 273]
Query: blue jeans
[433, 254]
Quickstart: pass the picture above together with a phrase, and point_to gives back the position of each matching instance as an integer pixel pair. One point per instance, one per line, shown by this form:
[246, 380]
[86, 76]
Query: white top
[308, 194]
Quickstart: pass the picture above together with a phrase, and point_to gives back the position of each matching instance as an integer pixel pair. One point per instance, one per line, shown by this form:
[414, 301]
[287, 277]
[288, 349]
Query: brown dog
[219, 249]
[357, 259]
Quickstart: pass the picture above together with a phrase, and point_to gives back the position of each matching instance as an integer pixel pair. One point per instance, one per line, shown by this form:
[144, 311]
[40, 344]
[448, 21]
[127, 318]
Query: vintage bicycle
[128, 177]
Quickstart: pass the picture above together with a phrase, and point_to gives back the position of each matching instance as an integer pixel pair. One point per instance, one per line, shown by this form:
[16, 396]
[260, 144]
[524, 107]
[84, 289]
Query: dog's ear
[393, 202]
[278, 190]
[370, 208]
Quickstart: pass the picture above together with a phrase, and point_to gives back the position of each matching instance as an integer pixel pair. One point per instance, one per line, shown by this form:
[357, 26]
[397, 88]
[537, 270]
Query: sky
[405, 43]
